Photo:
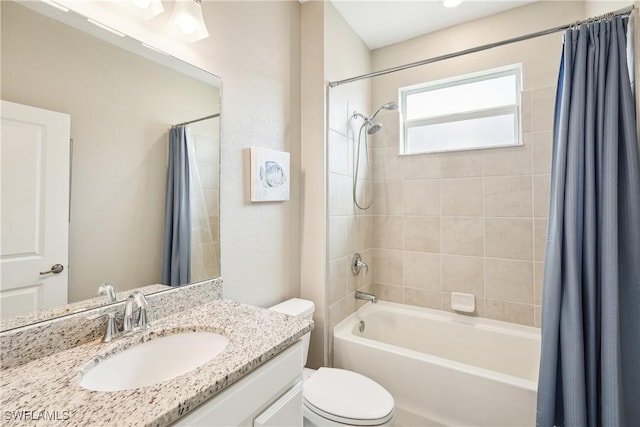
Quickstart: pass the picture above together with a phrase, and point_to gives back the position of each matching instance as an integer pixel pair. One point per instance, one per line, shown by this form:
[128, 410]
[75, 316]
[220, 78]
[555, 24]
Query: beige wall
[314, 231]
[255, 48]
[595, 8]
[325, 244]
[345, 56]
[121, 107]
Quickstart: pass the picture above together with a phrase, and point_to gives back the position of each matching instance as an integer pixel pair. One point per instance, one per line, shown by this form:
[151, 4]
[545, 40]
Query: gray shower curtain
[590, 363]
[176, 260]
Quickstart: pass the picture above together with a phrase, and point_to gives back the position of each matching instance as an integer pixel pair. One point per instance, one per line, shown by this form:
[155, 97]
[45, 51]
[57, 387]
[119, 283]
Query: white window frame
[405, 125]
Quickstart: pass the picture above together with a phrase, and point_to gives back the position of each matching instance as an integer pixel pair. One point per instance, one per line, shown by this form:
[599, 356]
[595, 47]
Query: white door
[34, 156]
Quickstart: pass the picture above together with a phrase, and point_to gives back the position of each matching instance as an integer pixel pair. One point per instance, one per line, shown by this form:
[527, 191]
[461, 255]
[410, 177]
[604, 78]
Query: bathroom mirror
[122, 98]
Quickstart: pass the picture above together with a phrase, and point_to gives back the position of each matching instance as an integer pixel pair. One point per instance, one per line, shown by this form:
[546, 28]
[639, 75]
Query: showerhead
[373, 128]
[387, 106]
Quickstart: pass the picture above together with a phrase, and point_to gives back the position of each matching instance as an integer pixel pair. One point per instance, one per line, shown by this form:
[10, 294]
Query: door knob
[55, 269]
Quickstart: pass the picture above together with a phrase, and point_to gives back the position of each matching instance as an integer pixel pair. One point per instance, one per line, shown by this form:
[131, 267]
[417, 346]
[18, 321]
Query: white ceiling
[383, 22]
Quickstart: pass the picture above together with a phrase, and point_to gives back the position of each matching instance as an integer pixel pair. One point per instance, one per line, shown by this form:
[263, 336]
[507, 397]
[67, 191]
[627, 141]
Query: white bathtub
[444, 368]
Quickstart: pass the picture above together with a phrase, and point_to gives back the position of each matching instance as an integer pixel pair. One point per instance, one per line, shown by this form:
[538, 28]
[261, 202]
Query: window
[479, 110]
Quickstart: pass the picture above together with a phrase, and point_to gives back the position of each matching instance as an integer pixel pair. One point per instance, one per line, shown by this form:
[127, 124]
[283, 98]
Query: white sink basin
[154, 361]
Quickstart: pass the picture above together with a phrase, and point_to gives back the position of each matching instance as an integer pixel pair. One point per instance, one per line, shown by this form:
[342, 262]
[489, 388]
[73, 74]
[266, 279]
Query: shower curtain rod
[196, 120]
[625, 11]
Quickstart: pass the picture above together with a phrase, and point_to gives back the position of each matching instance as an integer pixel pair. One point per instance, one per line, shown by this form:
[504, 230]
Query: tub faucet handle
[357, 264]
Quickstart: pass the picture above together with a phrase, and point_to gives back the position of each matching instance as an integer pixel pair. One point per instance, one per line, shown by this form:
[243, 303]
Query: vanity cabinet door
[284, 412]
[255, 394]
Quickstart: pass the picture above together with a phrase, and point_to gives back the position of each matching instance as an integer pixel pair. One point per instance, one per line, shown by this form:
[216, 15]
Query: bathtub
[444, 368]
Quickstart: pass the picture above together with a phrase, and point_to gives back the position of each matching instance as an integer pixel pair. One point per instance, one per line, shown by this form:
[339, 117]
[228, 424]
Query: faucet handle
[135, 321]
[143, 318]
[360, 264]
[357, 264]
[112, 330]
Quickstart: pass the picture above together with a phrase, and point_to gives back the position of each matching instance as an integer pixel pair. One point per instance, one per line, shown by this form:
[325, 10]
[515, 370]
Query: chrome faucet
[130, 324]
[366, 296]
[107, 289]
[141, 322]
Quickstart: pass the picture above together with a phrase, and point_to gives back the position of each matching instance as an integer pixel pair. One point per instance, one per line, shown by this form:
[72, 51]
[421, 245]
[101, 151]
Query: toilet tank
[300, 308]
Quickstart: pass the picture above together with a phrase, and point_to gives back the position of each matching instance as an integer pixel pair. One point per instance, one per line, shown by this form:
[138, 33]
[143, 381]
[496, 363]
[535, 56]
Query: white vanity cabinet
[271, 395]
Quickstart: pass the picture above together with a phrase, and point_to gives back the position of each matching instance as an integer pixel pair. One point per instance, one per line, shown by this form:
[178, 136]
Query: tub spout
[367, 297]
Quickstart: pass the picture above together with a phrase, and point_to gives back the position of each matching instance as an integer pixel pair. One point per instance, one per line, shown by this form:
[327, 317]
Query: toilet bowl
[338, 397]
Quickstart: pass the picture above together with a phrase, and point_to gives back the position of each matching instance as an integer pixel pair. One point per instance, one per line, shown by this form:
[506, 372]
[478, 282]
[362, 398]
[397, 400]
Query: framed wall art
[270, 175]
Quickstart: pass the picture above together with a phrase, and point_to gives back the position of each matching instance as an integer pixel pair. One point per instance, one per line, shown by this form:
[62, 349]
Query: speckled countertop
[50, 313]
[51, 383]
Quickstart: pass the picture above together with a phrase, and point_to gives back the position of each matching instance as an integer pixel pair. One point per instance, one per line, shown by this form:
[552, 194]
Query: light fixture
[148, 8]
[187, 19]
[451, 3]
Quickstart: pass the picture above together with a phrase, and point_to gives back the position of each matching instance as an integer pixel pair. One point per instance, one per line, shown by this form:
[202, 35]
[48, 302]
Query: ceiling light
[451, 3]
[148, 8]
[187, 19]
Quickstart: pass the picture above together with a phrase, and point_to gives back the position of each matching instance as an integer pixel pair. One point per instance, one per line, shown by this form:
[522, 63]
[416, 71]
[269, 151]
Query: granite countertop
[46, 391]
[74, 307]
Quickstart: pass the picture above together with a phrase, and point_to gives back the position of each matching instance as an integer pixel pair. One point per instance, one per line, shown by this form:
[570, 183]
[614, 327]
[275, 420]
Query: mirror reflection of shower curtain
[187, 222]
[176, 259]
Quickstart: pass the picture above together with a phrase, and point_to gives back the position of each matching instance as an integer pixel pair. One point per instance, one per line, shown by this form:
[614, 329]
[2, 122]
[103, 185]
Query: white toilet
[337, 397]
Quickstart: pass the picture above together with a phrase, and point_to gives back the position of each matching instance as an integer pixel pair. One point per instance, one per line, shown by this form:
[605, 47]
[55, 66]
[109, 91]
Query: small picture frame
[270, 175]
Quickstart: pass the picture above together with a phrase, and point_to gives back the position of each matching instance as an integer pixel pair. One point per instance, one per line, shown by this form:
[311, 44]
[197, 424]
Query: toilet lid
[347, 397]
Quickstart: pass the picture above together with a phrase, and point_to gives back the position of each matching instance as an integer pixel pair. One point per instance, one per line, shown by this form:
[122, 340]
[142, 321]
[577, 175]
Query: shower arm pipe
[625, 11]
[356, 115]
[213, 116]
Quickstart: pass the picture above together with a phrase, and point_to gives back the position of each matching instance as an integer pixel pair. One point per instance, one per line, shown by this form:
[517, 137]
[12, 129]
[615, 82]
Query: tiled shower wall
[350, 229]
[205, 246]
[470, 221]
